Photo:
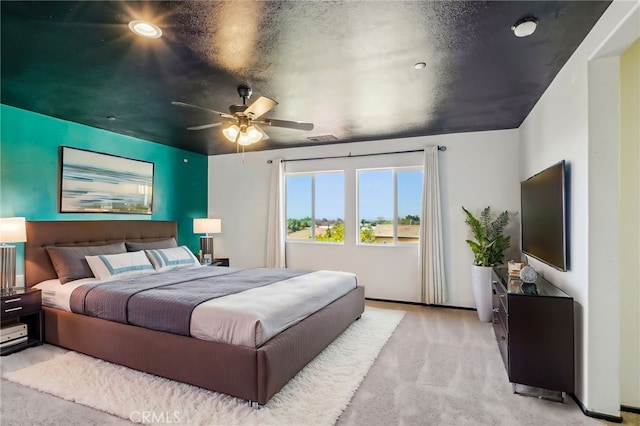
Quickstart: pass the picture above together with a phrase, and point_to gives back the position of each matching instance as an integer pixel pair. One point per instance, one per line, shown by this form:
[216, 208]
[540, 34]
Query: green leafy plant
[488, 232]
[333, 233]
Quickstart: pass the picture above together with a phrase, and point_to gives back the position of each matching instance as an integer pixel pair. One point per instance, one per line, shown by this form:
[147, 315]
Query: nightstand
[19, 305]
[220, 261]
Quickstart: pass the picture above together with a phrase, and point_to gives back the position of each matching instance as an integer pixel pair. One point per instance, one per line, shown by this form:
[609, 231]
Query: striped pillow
[117, 266]
[171, 258]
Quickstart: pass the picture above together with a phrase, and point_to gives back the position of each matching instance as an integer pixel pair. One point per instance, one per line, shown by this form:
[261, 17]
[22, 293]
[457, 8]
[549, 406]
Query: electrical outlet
[19, 280]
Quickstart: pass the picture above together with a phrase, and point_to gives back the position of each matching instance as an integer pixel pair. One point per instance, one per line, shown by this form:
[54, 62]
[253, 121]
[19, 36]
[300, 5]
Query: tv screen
[543, 216]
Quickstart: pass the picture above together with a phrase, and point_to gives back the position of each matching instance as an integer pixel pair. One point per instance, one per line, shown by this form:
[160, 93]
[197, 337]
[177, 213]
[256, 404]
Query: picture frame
[95, 182]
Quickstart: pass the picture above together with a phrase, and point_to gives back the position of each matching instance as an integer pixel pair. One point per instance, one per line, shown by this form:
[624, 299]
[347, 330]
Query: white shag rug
[317, 395]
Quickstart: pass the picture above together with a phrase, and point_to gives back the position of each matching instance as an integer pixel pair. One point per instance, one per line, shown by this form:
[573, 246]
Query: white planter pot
[481, 281]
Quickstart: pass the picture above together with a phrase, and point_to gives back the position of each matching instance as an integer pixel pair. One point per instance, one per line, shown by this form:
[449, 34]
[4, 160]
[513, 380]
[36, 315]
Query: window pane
[375, 206]
[329, 206]
[298, 190]
[409, 206]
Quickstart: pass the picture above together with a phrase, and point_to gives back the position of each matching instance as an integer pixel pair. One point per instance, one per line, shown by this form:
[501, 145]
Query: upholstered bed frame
[252, 374]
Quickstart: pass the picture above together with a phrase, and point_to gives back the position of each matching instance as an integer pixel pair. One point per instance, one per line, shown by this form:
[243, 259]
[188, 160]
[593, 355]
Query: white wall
[574, 121]
[478, 169]
[629, 226]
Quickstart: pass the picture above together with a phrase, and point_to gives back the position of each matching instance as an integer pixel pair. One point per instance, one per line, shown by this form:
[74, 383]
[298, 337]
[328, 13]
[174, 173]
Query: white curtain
[275, 230]
[434, 287]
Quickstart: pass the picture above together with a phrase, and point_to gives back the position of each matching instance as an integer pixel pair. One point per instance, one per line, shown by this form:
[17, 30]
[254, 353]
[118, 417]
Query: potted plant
[488, 246]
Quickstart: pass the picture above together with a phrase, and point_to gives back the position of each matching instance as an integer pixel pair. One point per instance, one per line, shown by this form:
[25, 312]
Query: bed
[253, 374]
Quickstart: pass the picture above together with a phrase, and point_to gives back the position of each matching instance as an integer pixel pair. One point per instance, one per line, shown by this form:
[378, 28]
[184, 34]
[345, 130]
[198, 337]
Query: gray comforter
[165, 301]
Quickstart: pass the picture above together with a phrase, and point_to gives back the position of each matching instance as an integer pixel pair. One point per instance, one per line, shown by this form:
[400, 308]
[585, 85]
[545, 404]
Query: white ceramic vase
[481, 281]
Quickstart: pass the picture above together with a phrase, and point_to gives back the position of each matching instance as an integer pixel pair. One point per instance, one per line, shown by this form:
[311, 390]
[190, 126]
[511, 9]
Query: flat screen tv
[543, 210]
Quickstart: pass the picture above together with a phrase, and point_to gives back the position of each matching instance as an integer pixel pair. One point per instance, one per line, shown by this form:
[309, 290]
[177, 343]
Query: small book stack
[13, 334]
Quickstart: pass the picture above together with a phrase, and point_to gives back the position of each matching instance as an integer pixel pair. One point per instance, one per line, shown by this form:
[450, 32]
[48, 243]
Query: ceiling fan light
[244, 140]
[231, 132]
[251, 135]
[248, 136]
[524, 27]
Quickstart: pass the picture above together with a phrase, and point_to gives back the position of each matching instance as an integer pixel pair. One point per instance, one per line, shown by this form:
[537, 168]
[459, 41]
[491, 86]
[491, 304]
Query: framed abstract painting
[93, 182]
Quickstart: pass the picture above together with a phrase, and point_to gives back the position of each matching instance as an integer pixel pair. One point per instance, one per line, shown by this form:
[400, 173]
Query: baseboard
[419, 304]
[630, 409]
[394, 301]
[594, 414]
[463, 308]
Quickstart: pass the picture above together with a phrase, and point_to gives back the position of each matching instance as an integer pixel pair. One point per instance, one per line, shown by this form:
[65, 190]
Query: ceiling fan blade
[204, 126]
[221, 114]
[298, 125]
[260, 106]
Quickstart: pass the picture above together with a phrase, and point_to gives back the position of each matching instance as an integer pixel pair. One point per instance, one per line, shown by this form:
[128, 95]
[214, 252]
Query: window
[315, 207]
[389, 205]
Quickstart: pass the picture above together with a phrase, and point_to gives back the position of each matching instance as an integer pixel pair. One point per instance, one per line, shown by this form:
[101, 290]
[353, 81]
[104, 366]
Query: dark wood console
[533, 324]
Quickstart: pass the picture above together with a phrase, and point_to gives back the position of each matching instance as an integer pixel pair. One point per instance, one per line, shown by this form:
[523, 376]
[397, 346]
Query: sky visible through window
[409, 193]
[375, 194]
[298, 196]
[330, 196]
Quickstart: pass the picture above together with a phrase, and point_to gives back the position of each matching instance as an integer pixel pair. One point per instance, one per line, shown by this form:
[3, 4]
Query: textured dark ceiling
[345, 66]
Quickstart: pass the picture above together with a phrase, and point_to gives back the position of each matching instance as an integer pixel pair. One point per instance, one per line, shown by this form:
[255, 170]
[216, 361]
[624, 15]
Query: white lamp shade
[207, 226]
[13, 230]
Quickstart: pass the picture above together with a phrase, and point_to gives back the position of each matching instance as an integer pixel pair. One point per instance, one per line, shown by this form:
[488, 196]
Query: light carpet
[317, 395]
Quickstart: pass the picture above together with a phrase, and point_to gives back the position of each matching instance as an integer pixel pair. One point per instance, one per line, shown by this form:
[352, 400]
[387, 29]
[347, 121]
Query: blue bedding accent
[115, 270]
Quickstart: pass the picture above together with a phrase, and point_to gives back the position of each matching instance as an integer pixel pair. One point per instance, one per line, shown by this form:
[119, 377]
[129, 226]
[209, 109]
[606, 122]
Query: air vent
[324, 138]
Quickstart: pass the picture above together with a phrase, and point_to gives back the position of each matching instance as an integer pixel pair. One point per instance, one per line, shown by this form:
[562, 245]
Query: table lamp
[207, 226]
[12, 230]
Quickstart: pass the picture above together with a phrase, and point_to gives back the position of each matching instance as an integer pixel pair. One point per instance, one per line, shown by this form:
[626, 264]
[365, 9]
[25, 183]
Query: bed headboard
[40, 234]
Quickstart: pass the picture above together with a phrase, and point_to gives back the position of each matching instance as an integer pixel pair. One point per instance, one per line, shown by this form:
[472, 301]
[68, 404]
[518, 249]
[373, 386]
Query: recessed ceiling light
[145, 29]
[420, 65]
[524, 27]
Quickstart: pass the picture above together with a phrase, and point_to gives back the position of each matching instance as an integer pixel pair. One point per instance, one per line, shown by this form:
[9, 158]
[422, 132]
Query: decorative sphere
[528, 275]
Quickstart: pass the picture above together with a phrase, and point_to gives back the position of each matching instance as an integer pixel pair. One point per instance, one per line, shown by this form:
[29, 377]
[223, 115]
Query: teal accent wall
[29, 149]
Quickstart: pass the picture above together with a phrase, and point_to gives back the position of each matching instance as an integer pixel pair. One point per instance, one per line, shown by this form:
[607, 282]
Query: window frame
[395, 171]
[312, 174]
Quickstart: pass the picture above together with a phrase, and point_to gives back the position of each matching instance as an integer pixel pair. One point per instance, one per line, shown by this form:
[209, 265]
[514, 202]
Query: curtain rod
[440, 148]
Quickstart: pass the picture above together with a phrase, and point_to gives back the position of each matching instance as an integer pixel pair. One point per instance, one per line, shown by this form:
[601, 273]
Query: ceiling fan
[245, 130]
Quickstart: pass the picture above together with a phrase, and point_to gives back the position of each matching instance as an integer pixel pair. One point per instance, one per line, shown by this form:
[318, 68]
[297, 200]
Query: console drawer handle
[13, 309]
[17, 299]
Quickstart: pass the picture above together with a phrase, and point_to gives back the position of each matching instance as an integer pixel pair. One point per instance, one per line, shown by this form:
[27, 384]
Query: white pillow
[171, 258]
[107, 267]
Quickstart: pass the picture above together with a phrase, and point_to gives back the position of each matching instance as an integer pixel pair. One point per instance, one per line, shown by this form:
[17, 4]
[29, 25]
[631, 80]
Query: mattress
[249, 318]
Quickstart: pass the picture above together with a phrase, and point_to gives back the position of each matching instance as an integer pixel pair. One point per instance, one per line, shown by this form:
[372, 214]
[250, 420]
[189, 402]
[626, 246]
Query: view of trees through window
[389, 206]
[315, 206]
